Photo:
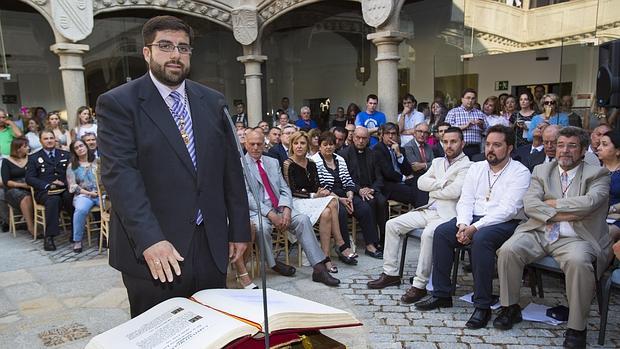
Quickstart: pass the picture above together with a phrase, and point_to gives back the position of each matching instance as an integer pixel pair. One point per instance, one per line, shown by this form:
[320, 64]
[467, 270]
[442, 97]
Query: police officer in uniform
[46, 172]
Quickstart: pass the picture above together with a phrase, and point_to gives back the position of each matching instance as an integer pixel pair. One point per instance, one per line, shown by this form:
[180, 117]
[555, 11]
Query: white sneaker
[304, 260]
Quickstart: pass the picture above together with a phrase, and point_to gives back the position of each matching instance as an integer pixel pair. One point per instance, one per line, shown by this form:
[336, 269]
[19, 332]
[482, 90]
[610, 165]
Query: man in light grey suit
[444, 181]
[276, 202]
[418, 151]
[567, 205]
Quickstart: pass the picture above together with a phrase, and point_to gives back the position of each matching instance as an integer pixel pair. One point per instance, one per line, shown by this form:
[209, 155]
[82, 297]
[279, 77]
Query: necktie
[184, 123]
[394, 161]
[422, 153]
[51, 156]
[565, 184]
[263, 175]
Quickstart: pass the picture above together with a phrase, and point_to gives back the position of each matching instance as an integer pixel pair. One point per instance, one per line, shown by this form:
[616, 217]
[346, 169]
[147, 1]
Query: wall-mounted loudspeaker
[608, 76]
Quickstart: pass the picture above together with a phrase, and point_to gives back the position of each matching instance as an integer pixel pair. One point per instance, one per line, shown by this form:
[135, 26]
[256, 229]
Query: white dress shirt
[506, 199]
[411, 120]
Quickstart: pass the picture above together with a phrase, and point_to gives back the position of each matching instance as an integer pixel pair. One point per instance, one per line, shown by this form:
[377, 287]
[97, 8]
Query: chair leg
[532, 276]
[402, 256]
[604, 306]
[455, 269]
[539, 283]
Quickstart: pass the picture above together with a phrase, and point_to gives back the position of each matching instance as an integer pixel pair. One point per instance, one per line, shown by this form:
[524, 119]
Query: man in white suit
[566, 203]
[276, 202]
[443, 181]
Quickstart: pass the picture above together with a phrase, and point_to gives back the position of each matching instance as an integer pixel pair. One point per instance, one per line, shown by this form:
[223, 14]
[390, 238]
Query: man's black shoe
[479, 318]
[48, 244]
[323, 276]
[575, 339]
[377, 254]
[283, 269]
[507, 317]
[430, 302]
[5, 227]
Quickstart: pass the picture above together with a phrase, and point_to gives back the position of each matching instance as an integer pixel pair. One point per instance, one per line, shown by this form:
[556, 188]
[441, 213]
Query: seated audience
[443, 181]
[305, 122]
[86, 123]
[16, 191]
[548, 153]
[276, 207]
[33, 135]
[273, 137]
[438, 151]
[334, 176]
[264, 126]
[341, 134]
[418, 151]
[591, 156]
[313, 145]
[350, 128]
[567, 203]
[46, 172]
[280, 150]
[283, 120]
[309, 197]
[550, 114]
[62, 136]
[90, 139]
[488, 212]
[366, 174]
[609, 153]
[82, 182]
[524, 152]
[398, 182]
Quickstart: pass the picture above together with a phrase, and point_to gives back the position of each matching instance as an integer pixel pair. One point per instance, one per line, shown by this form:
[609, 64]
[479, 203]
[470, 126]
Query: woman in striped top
[334, 176]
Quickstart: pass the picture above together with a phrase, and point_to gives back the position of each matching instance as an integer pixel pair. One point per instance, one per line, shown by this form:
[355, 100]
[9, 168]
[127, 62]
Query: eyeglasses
[166, 46]
[569, 146]
[546, 143]
[549, 103]
[423, 132]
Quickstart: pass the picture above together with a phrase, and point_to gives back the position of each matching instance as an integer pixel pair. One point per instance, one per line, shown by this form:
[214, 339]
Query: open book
[217, 317]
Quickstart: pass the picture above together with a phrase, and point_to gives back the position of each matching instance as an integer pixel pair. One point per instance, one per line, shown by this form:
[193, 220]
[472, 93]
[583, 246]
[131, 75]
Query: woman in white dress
[308, 197]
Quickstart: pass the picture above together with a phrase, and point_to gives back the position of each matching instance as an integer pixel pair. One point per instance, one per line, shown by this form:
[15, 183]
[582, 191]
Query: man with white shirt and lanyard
[487, 214]
[567, 204]
[443, 181]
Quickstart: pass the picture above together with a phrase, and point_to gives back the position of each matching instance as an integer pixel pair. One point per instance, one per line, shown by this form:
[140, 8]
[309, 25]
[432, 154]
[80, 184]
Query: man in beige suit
[443, 180]
[567, 205]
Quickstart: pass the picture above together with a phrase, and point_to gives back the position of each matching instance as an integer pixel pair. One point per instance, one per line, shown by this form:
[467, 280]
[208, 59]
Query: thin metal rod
[6, 67]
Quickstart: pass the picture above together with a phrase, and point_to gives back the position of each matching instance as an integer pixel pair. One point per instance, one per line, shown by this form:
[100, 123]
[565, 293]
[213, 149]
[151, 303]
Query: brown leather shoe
[413, 295]
[384, 281]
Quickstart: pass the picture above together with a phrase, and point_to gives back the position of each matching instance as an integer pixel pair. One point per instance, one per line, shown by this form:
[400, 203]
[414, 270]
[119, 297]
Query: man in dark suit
[46, 172]
[241, 116]
[280, 151]
[366, 175]
[532, 153]
[398, 182]
[172, 171]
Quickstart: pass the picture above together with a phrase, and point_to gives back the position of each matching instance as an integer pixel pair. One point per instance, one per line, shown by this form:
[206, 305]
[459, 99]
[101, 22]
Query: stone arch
[44, 8]
[271, 10]
[213, 11]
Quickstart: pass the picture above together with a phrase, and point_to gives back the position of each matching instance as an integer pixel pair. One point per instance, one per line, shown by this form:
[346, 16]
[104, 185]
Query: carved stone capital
[388, 36]
[252, 58]
[63, 48]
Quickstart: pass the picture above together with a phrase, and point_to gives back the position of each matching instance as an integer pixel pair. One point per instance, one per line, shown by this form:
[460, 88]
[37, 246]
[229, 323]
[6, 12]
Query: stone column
[387, 70]
[253, 74]
[72, 71]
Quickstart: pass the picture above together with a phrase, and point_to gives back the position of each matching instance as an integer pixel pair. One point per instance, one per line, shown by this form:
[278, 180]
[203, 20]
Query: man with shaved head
[366, 175]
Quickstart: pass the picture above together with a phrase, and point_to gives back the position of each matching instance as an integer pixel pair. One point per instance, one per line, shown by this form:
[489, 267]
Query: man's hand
[366, 194]
[395, 147]
[58, 182]
[236, 250]
[465, 234]
[418, 166]
[551, 202]
[160, 257]
[347, 203]
[286, 219]
[565, 217]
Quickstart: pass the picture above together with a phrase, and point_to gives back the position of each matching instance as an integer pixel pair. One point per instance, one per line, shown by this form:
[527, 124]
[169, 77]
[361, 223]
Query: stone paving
[61, 300]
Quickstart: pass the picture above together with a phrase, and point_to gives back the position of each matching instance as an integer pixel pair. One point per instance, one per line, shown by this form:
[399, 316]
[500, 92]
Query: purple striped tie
[182, 118]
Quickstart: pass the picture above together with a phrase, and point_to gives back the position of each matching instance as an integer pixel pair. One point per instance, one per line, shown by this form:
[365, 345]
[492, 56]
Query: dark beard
[495, 161]
[168, 79]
